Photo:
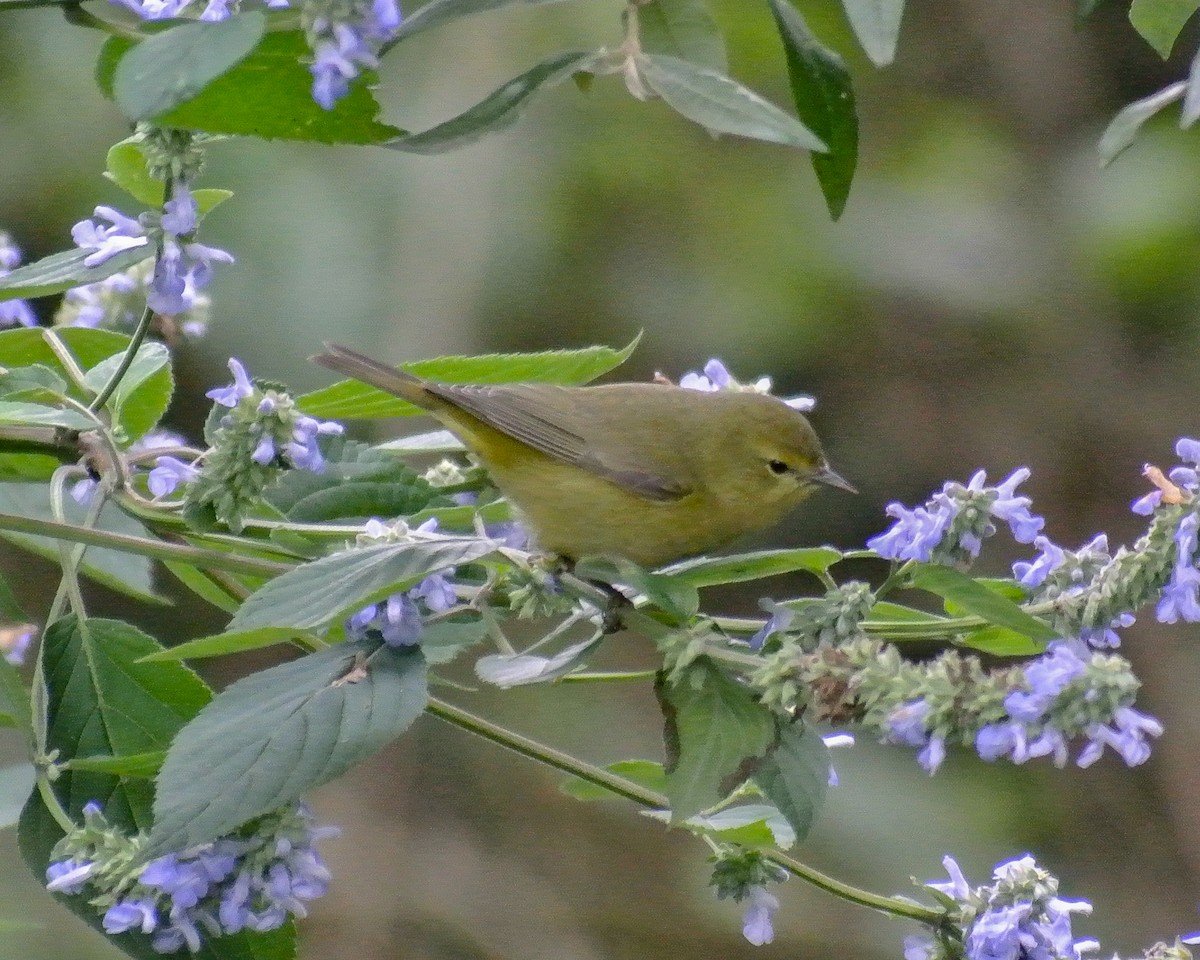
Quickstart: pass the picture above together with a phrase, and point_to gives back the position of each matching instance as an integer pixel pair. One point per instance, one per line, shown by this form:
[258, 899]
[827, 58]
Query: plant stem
[126, 361]
[600, 777]
[143, 546]
[53, 804]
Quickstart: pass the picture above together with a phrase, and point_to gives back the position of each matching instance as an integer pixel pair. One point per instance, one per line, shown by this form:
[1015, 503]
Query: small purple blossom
[241, 387]
[715, 377]
[757, 924]
[1126, 737]
[83, 490]
[341, 51]
[169, 473]
[1033, 574]
[906, 724]
[13, 313]
[131, 915]
[781, 618]
[303, 450]
[1046, 676]
[16, 644]
[68, 876]
[264, 452]
[180, 213]
[914, 535]
[122, 233]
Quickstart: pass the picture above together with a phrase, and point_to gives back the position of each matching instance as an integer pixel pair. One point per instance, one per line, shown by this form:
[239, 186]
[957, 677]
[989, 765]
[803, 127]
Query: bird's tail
[353, 364]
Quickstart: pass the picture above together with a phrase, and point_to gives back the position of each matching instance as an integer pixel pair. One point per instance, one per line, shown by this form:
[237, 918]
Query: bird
[648, 472]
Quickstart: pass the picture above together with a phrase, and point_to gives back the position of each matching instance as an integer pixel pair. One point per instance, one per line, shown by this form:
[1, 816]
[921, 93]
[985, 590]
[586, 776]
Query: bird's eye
[778, 467]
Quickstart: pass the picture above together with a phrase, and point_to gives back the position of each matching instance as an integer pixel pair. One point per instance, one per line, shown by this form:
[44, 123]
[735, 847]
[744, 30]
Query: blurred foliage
[990, 298]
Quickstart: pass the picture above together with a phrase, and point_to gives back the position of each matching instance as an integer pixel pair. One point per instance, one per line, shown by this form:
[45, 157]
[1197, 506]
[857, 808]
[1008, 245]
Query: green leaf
[973, 596]
[887, 612]
[61, 271]
[38, 833]
[716, 734]
[317, 594]
[119, 571]
[499, 110]
[268, 95]
[10, 610]
[824, 97]
[35, 378]
[35, 414]
[876, 23]
[143, 765]
[349, 398]
[1001, 642]
[1160, 21]
[443, 641]
[682, 28]
[222, 644]
[720, 104]
[1123, 129]
[750, 825]
[16, 783]
[201, 584]
[520, 669]
[645, 773]
[102, 701]
[271, 736]
[174, 66]
[676, 597]
[363, 500]
[151, 359]
[740, 567]
[444, 11]
[795, 776]
[1004, 586]
[127, 168]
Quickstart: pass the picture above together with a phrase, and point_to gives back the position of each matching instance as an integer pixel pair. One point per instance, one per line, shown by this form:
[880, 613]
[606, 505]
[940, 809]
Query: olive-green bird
[647, 471]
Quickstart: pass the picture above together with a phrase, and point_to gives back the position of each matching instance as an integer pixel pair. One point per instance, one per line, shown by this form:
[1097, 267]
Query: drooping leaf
[876, 24]
[1123, 129]
[515, 670]
[976, 598]
[645, 773]
[499, 110]
[270, 737]
[748, 824]
[223, 644]
[36, 414]
[716, 735]
[61, 271]
[682, 28]
[740, 567]
[795, 776]
[720, 104]
[440, 12]
[1160, 21]
[174, 66]
[317, 594]
[144, 765]
[362, 500]
[268, 95]
[124, 572]
[824, 97]
[351, 399]
[202, 584]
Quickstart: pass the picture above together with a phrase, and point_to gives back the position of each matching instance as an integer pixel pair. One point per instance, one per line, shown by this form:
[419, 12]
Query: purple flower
[760, 909]
[781, 618]
[264, 453]
[216, 10]
[302, 450]
[241, 387]
[13, 313]
[437, 592]
[122, 233]
[169, 473]
[337, 60]
[16, 645]
[715, 377]
[1014, 510]
[154, 9]
[1180, 598]
[906, 724]
[957, 886]
[1189, 450]
[129, 915]
[401, 622]
[915, 534]
[82, 490]
[1127, 737]
[180, 212]
[185, 882]
[1147, 504]
[1047, 677]
[68, 876]
[930, 757]
[1034, 574]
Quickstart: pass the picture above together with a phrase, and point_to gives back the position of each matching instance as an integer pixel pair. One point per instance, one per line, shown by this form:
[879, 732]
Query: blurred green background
[992, 298]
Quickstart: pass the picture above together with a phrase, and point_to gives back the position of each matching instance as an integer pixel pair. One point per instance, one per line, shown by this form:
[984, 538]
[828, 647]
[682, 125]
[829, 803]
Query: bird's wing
[524, 414]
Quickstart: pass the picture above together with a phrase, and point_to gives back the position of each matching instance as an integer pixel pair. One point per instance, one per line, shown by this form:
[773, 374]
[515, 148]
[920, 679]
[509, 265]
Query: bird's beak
[833, 479]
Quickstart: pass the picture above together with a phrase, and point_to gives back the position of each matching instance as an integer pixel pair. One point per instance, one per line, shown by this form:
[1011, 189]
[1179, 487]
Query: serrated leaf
[1001, 642]
[682, 28]
[36, 414]
[16, 783]
[976, 598]
[102, 701]
[499, 110]
[317, 594]
[223, 644]
[346, 461]
[363, 500]
[445, 11]
[645, 773]
[716, 734]
[61, 271]
[271, 736]
[36, 377]
[673, 596]
[740, 567]
[795, 776]
[174, 66]
[142, 406]
[876, 24]
[268, 95]
[824, 97]
[143, 765]
[38, 833]
[349, 398]
[151, 358]
[123, 572]
[1123, 129]
[1160, 21]
[520, 669]
[720, 104]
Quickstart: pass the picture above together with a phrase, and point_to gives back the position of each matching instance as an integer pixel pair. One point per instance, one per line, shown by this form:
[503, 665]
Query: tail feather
[360, 367]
